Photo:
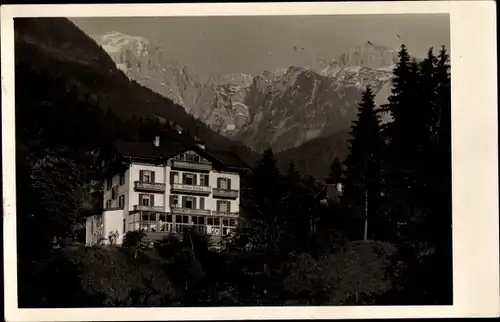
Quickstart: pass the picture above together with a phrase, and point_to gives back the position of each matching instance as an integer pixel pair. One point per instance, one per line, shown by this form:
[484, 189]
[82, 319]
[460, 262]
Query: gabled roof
[147, 150]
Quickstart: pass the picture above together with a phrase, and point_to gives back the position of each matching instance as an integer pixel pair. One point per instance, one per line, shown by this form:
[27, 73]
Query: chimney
[156, 141]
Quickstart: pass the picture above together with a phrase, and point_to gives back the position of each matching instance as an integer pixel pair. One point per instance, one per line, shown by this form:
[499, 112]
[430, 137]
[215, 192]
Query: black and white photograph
[231, 161]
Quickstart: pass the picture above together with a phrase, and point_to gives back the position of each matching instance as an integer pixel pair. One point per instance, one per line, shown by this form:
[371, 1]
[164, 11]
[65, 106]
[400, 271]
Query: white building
[164, 187]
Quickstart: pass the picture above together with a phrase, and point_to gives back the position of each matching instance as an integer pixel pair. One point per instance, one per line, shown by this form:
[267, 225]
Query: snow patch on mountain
[280, 108]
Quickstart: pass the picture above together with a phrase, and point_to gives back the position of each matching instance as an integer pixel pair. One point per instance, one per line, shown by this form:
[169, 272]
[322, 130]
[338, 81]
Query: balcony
[189, 211]
[225, 193]
[149, 186]
[191, 165]
[188, 188]
[148, 208]
[225, 214]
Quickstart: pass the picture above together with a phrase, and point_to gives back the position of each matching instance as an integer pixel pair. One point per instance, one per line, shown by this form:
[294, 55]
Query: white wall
[113, 221]
[211, 203]
[134, 172]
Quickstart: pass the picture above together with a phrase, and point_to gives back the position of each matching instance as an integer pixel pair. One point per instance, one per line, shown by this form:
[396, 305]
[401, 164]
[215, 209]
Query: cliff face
[281, 109]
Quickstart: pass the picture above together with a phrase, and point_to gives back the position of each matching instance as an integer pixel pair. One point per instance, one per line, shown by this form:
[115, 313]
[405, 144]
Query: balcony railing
[191, 165]
[148, 208]
[189, 211]
[179, 187]
[149, 186]
[225, 193]
[225, 214]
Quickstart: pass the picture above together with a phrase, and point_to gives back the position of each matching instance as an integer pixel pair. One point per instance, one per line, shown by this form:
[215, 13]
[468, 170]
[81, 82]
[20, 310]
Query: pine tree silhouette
[363, 174]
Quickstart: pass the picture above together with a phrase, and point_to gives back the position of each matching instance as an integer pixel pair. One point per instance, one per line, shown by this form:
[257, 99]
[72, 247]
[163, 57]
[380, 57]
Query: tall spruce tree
[263, 202]
[363, 169]
[422, 267]
[402, 157]
[299, 206]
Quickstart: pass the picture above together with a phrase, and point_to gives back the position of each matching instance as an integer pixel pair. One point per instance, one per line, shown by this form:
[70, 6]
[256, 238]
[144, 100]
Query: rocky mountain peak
[369, 55]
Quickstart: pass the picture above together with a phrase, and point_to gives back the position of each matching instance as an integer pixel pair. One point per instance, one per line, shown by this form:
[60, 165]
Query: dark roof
[329, 191]
[147, 150]
[229, 158]
[141, 149]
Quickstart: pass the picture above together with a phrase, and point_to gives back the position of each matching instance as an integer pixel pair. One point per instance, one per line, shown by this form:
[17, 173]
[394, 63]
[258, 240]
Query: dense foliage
[289, 248]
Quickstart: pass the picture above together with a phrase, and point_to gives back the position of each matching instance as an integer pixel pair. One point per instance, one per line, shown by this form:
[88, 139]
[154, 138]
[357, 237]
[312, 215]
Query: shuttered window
[204, 180]
[146, 176]
[174, 177]
[223, 183]
[146, 200]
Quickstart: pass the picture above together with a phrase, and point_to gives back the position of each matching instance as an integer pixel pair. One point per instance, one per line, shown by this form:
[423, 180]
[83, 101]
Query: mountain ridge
[260, 110]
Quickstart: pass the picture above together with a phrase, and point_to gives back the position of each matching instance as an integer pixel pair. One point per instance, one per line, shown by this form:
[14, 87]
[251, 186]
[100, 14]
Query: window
[189, 202]
[224, 183]
[174, 177]
[202, 203]
[204, 180]
[213, 221]
[174, 201]
[189, 178]
[146, 200]
[109, 184]
[147, 176]
[121, 201]
[122, 179]
[114, 193]
[223, 206]
[228, 225]
[108, 204]
[192, 157]
[124, 226]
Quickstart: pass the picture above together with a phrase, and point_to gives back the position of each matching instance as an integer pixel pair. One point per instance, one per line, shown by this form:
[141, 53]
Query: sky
[252, 44]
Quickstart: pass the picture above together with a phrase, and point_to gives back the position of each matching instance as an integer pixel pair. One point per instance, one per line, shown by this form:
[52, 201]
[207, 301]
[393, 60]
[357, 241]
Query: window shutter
[152, 198]
[152, 176]
[172, 177]
[228, 184]
[219, 182]
[195, 179]
[141, 175]
[171, 200]
[228, 206]
[140, 198]
[184, 176]
[183, 201]
[202, 203]
[194, 203]
[206, 180]
[218, 205]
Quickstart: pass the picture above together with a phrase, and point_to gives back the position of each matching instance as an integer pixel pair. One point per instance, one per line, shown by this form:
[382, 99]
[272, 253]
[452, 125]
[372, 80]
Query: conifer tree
[402, 157]
[426, 250]
[264, 200]
[363, 167]
[298, 207]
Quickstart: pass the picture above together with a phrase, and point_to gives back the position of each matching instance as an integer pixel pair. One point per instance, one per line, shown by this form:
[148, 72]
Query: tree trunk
[365, 237]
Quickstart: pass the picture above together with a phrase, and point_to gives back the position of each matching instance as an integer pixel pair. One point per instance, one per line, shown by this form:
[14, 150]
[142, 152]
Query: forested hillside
[316, 156]
[64, 53]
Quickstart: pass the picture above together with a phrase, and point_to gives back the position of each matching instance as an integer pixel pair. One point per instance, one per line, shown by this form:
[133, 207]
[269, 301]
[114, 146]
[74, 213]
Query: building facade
[164, 189]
